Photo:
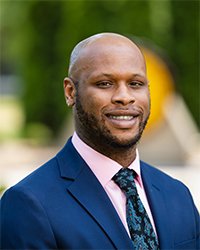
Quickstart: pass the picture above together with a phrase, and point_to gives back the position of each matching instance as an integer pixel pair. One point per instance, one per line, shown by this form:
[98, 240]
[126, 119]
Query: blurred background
[36, 38]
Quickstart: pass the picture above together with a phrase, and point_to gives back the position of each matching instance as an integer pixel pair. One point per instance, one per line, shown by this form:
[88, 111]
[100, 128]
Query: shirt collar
[103, 167]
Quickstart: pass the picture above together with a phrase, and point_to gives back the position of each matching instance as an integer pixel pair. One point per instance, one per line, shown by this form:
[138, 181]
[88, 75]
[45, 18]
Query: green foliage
[42, 75]
[38, 133]
[42, 34]
[185, 52]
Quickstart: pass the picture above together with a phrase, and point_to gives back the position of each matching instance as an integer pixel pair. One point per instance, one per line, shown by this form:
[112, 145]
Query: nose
[123, 95]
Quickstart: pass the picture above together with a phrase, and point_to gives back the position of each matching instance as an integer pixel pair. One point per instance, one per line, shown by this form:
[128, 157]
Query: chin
[122, 142]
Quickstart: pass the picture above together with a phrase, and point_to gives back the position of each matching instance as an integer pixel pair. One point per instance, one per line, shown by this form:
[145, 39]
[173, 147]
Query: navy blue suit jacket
[62, 205]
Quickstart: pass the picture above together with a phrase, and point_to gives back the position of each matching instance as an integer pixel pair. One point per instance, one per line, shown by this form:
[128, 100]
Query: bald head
[91, 43]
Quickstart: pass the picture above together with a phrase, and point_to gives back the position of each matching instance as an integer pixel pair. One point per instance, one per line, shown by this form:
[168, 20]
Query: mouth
[122, 119]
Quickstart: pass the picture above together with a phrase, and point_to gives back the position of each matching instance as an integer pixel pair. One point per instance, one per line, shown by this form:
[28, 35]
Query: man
[78, 200]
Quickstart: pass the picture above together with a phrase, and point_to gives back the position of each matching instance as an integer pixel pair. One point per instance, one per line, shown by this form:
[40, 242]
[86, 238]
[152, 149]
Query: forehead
[110, 54]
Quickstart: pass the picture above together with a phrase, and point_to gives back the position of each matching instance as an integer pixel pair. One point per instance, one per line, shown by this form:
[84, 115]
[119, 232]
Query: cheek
[147, 101]
[144, 101]
[93, 104]
[95, 100]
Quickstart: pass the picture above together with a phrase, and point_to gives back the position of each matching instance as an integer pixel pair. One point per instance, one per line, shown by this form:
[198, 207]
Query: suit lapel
[87, 190]
[158, 207]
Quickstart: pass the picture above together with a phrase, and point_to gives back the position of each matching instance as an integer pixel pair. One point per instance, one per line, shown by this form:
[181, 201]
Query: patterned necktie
[141, 230]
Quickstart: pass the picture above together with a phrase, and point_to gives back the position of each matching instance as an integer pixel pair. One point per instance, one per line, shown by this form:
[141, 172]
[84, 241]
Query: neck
[122, 155]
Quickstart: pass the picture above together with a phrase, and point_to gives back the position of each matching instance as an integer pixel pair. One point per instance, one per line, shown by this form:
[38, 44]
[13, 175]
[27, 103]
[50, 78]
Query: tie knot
[125, 180]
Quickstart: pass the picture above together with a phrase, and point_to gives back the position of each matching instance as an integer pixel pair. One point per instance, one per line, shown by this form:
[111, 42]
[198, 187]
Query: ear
[69, 90]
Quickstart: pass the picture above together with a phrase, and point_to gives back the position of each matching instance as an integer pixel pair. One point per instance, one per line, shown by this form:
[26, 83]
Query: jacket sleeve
[24, 222]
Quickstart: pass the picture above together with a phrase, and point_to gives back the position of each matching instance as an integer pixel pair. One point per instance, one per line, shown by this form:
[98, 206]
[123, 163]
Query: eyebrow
[112, 76]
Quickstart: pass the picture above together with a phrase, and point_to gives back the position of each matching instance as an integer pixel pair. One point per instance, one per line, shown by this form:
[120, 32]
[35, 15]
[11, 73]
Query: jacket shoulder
[158, 176]
[171, 188]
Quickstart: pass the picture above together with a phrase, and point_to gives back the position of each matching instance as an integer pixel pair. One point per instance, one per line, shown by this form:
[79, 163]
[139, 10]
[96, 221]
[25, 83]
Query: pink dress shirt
[104, 169]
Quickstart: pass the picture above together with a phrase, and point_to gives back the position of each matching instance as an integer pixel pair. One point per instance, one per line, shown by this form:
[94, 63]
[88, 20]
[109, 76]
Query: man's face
[112, 97]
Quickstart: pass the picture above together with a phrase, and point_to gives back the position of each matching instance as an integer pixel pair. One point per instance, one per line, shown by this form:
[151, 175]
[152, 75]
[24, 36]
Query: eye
[104, 84]
[136, 84]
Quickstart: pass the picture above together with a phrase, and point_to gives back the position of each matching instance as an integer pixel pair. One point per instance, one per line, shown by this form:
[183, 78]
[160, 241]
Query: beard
[93, 131]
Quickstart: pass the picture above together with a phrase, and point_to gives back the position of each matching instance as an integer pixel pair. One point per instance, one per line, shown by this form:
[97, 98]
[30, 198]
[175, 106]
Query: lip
[122, 119]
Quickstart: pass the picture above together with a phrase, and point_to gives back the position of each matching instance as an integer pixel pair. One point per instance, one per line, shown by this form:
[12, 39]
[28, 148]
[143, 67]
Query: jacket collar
[87, 190]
